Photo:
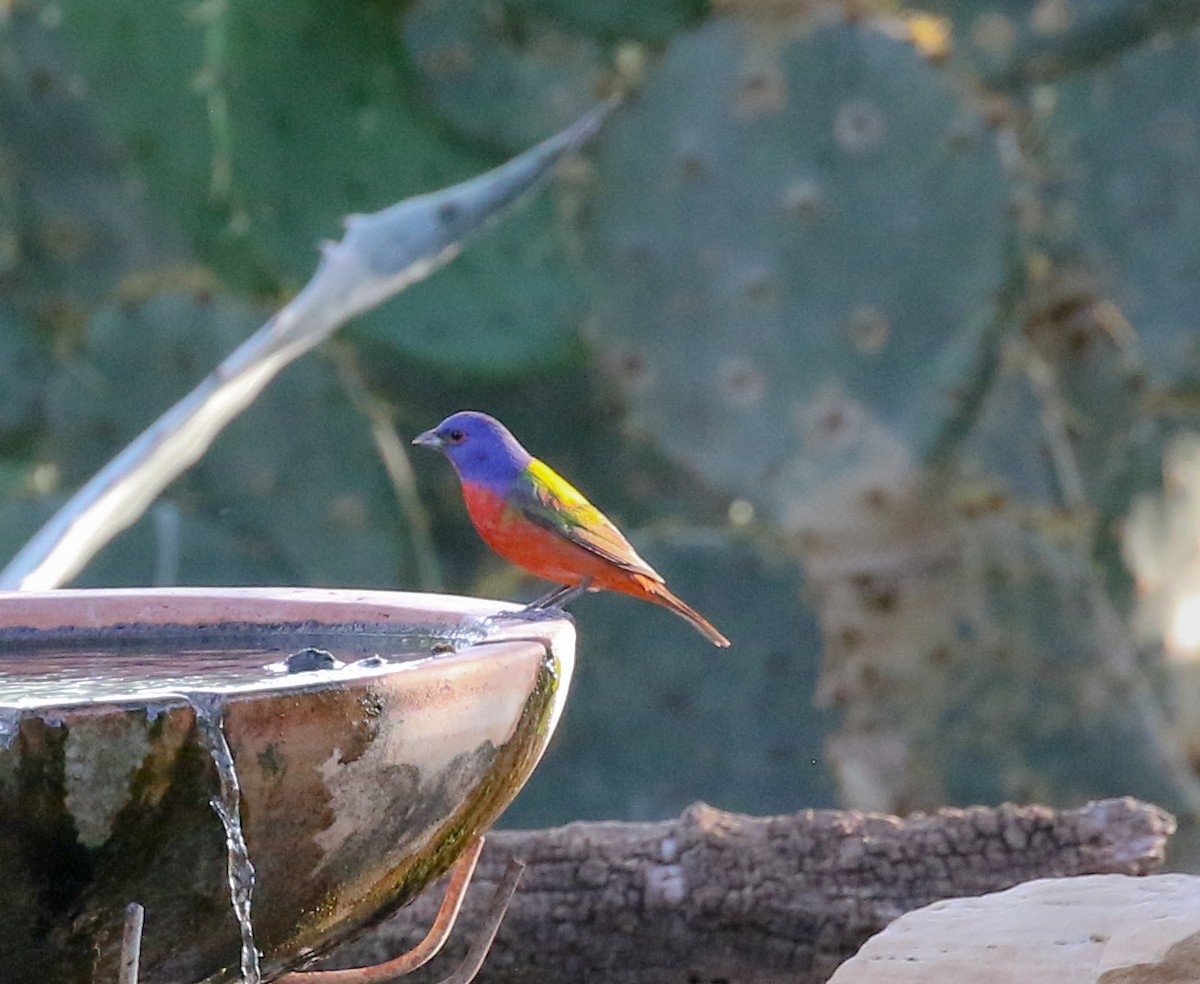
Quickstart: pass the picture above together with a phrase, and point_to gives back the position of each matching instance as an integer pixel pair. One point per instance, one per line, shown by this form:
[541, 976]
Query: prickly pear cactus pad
[810, 219]
[257, 128]
[640, 20]
[1139, 199]
[824, 284]
[500, 75]
[1016, 43]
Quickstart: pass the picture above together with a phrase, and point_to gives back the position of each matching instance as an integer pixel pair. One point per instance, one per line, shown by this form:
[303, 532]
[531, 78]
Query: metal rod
[131, 943]
[419, 955]
[473, 961]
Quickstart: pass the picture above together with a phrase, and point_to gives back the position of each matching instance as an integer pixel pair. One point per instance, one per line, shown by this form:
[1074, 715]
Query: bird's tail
[660, 594]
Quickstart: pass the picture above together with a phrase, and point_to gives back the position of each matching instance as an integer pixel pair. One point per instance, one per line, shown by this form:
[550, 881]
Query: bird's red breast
[541, 551]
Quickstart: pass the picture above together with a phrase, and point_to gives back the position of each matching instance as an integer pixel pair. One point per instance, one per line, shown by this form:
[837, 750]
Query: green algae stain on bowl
[359, 783]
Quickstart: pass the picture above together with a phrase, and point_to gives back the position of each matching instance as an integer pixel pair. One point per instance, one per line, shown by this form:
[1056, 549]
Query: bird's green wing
[549, 500]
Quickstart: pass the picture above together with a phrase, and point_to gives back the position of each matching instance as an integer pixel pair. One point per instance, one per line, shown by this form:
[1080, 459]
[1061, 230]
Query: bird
[533, 517]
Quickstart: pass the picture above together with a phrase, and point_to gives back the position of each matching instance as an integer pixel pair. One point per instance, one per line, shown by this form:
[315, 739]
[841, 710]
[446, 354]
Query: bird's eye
[456, 436]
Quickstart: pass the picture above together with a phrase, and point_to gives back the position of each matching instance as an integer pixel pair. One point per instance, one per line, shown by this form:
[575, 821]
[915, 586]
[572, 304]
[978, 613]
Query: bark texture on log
[715, 896]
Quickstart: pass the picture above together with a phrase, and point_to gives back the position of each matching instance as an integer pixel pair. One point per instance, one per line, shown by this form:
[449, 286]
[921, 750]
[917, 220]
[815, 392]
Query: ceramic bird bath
[375, 735]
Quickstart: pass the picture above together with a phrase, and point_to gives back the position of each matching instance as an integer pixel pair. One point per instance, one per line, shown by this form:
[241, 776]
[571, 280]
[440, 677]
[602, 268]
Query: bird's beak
[429, 439]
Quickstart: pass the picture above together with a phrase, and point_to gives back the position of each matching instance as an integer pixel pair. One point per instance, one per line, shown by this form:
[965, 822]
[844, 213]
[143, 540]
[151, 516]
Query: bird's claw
[528, 614]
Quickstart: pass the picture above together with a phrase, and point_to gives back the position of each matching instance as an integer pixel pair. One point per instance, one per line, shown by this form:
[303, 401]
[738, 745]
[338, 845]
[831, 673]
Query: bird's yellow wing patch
[548, 499]
[565, 495]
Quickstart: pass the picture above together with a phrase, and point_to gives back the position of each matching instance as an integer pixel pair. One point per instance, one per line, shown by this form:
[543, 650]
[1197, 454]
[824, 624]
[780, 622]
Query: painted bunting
[532, 516]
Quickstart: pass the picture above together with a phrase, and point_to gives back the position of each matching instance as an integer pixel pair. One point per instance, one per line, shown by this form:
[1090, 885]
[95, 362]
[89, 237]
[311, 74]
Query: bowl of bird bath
[362, 739]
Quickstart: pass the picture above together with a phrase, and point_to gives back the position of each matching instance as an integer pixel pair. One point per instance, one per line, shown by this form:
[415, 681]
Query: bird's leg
[548, 599]
[560, 597]
[570, 594]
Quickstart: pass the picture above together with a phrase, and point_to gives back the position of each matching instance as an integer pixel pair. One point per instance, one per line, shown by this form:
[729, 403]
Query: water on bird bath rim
[374, 735]
[123, 662]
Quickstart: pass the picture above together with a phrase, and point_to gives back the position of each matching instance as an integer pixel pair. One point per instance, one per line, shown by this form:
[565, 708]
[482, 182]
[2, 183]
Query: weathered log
[715, 896]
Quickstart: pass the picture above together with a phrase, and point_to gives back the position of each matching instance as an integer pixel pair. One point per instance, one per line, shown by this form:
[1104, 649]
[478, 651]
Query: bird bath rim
[122, 618]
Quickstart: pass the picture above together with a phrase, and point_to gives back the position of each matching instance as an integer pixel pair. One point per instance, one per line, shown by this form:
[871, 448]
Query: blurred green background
[874, 326]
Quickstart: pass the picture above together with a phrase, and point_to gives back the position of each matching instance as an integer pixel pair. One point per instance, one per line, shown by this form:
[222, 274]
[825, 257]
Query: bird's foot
[549, 606]
[530, 615]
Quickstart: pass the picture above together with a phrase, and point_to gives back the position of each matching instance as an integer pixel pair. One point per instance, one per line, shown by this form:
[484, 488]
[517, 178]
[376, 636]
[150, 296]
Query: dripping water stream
[209, 713]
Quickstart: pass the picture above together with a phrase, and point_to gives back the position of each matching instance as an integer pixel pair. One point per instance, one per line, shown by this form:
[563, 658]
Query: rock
[1093, 929]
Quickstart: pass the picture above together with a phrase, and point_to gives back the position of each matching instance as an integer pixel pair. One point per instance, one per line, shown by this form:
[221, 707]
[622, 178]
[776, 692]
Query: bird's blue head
[482, 449]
